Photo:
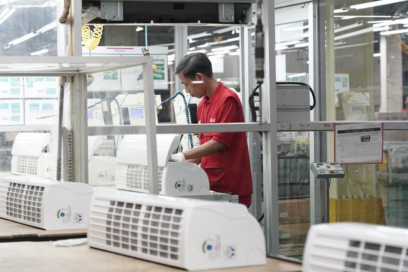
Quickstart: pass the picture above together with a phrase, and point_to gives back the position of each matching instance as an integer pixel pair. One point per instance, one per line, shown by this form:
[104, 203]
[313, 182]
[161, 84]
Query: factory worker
[223, 156]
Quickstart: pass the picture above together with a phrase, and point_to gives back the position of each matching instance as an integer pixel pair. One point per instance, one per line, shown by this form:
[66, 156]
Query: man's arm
[206, 149]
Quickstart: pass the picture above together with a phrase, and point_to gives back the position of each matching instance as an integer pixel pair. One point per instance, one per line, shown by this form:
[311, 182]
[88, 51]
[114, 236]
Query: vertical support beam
[61, 32]
[244, 43]
[180, 49]
[317, 57]
[383, 74]
[269, 114]
[254, 139]
[77, 27]
[151, 141]
[79, 128]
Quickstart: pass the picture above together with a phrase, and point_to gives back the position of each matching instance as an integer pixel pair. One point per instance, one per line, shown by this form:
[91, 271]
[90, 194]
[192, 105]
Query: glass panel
[365, 56]
[31, 35]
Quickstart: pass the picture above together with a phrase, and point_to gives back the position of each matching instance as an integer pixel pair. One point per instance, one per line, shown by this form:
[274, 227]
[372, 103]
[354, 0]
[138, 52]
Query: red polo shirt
[228, 170]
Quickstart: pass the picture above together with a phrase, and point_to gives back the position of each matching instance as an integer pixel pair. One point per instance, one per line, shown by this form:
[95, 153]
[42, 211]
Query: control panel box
[327, 170]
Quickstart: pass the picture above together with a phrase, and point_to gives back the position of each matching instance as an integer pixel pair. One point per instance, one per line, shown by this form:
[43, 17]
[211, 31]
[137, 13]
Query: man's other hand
[179, 157]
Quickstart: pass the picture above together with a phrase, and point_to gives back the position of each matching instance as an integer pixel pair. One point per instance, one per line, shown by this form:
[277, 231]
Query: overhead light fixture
[199, 51]
[377, 55]
[391, 22]
[344, 28]
[368, 5]
[224, 30]
[234, 53]
[218, 53]
[191, 48]
[281, 48]
[203, 45]
[394, 32]
[139, 28]
[7, 12]
[47, 27]
[232, 47]
[302, 45]
[40, 52]
[230, 40]
[384, 28]
[295, 28]
[352, 34]
[297, 75]
[347, 17]
[199, 35]
[286, 43]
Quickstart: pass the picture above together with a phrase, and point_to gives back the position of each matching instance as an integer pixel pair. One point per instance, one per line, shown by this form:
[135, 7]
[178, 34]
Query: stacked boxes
[294, 224]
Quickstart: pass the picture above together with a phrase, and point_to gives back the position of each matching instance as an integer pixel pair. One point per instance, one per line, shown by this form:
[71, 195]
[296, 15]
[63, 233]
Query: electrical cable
[190, 138]
[117, 139]
[117, 104]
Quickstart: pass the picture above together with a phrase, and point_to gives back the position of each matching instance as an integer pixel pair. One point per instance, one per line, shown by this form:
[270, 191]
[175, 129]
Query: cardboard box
[294, 211]
[363, 210]
[293, 233]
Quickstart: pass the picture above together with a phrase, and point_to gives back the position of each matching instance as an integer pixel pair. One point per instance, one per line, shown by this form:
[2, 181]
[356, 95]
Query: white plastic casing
[341, 247]
[28, 156]
[179, 179]
[185, 233]
[102, 171]
[44, 203]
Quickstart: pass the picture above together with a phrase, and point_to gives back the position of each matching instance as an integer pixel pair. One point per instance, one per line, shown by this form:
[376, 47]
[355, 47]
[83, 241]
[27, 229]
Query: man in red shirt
[223, 156]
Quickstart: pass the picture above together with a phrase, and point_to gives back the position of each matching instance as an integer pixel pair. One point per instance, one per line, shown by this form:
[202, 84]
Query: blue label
[39, 79]
[51, 79]
[4, 79]
[47, 106]
[51, 90]
[4, 106]
[15, 118]
[34, 106]
[338, 79]
[15, 105]
[15, 91]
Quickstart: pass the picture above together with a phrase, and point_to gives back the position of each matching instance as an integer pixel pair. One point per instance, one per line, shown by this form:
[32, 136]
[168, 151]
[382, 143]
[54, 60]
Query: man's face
[195, 90]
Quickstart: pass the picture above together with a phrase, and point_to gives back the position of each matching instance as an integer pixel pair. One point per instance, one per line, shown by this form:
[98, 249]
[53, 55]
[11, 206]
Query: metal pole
[269, 112]
[77, 27]
[180, 50]
[60, 117]
[151, 141]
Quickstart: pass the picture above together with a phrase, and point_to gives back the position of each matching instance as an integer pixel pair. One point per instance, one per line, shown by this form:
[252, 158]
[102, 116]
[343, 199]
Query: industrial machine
[354, 106]
[132, 109]
[189, 234]
[30, 155]
[102, 161]
[175, 179]
[95, 113]
[45, 204]
[292, 103]
[355, 247]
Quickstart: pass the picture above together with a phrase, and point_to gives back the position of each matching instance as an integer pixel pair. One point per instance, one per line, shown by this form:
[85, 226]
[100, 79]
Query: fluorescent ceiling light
[204, 45]
[47, 27]
[40, 52]
[7, 12]
[191, 48]
[302, 45]
[385, 28]
[280, 48]
[286, 43]
[368, 5]
[232, 47]
[340, 29]
[354, 45]
[394, 32]
[352, 34]
[295, 28]
[227, 29]
[344, 17]
[230, 40]
[391, 22]
[139, 28]
[218, 53]
[199, 51]
[22, 39]
[170, 63]
[377, 55]
[200, 35]
[305, 35]
[234, 53]
[297, 75]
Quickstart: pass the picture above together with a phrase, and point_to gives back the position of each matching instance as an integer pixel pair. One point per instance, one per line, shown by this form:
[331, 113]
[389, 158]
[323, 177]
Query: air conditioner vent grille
[24, 201]
[145, 229]
[360, 256]
[27, 165]
[136, 177]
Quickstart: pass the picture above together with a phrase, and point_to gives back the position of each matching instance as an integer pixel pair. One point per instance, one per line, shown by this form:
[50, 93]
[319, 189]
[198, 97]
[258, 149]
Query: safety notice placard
[358, 144]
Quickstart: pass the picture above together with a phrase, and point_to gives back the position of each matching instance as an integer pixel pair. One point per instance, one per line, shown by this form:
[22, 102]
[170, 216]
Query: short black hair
[195, 63]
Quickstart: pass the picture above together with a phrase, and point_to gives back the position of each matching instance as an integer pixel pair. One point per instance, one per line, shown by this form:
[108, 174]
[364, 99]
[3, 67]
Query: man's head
[195, 67]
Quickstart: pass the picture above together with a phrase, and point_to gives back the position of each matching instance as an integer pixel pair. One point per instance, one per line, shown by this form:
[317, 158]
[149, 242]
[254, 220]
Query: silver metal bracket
[226, 13]
[112, 11]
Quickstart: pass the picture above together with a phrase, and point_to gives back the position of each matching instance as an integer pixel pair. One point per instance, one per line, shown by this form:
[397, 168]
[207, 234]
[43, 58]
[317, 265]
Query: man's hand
[179, 157]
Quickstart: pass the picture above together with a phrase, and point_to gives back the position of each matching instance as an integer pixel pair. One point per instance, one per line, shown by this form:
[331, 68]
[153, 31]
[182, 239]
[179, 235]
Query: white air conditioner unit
[175, 179]
[102, 163]
[44, 203]
[185, 233]
[342, 247]
[30, 155]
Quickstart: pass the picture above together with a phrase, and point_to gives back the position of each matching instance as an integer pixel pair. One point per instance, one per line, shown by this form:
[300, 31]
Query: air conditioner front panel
[135, 178]
[138, 227]
[45, 204]
[356, 247]
[176, 231]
